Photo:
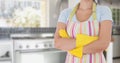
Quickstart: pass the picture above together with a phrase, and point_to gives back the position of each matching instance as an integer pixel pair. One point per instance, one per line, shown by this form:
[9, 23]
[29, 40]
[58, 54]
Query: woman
[85, 19]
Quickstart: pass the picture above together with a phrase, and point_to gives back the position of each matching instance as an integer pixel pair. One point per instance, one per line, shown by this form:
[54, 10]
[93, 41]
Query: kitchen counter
[116, 30]
[26, 30]
[4, 36]
[5, 33]
[5, 59]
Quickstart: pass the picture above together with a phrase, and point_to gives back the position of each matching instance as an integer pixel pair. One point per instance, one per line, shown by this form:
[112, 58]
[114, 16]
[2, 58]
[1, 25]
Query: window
[23, 13]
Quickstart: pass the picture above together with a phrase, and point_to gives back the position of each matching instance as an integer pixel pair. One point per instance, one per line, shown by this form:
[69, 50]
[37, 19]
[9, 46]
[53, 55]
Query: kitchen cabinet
[116, 46]
[5, 62]
[5, 51]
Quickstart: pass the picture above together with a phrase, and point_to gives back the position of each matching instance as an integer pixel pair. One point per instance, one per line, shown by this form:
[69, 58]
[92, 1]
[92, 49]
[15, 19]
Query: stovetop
[33, 36]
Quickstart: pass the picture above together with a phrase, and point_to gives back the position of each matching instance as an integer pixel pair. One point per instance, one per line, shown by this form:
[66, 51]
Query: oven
[36, 50]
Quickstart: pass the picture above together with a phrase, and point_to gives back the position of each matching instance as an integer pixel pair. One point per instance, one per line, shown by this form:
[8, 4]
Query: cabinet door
[116, 46]
[4, 47]
[31, 58]
[5, 62]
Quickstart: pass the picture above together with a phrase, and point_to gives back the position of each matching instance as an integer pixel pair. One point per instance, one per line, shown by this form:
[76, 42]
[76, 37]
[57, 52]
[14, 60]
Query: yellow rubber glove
[78, 52]
[82, 39]
[63, 33]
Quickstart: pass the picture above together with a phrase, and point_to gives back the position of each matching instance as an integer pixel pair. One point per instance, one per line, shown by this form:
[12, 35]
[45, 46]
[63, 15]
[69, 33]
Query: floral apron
[90, 28]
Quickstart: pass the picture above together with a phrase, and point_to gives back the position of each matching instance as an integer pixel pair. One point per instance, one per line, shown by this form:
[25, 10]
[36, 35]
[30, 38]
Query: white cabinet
[4, 47]
[5, 62]
[5, 51]
[116, 46]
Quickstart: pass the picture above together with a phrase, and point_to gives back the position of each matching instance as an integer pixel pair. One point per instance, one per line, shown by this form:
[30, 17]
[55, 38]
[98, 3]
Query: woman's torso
[89, 27]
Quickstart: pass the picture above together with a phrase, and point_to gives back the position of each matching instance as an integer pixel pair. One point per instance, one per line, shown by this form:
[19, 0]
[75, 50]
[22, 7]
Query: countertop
[5, 33]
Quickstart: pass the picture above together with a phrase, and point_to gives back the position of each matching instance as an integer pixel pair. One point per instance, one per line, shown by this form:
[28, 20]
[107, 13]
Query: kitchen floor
[116, 61]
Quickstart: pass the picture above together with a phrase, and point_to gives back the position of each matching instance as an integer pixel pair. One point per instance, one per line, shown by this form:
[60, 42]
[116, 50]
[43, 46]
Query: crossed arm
[97, 46]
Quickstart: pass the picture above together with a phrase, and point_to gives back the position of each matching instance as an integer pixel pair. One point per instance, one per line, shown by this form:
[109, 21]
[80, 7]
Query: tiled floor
[116, 61]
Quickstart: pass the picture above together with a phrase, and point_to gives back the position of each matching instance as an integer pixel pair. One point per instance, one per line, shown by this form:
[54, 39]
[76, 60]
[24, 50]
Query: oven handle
[51, 50]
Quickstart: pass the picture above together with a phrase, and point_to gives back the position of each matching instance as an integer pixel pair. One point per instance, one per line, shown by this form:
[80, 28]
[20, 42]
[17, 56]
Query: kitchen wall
[73, 3]
[54, 11]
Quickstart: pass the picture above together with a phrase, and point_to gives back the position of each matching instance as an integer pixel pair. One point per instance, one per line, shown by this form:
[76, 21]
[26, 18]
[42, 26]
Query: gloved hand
[81, 41]
[63, 33]
[78, 52]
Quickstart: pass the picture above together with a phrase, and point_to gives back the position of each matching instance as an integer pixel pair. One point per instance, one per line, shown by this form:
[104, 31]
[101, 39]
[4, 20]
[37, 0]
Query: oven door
[40, 56]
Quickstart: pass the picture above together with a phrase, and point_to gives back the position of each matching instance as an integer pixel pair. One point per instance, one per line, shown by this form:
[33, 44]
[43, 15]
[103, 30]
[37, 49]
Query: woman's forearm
[95, 47]
[65, 43]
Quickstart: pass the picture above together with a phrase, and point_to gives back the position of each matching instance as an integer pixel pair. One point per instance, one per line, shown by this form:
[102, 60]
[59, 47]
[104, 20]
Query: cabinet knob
[20, 46]
[27, 46]
[45, 45]
[50, 45]
[36, 46]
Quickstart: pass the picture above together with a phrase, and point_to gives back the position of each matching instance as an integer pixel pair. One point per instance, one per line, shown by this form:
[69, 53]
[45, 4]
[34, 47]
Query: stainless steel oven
[36, 50]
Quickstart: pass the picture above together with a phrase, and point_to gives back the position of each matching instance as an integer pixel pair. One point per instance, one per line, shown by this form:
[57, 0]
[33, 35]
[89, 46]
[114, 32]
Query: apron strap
[76, 7]
[73, 12]
[94, 14]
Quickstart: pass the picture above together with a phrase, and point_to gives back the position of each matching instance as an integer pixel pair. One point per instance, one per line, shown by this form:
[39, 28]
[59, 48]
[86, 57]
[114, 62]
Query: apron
[90, 28]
